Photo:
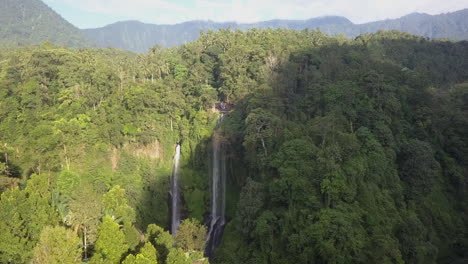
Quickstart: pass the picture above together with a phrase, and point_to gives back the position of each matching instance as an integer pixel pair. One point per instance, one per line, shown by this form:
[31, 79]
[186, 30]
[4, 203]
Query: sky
[98, 13]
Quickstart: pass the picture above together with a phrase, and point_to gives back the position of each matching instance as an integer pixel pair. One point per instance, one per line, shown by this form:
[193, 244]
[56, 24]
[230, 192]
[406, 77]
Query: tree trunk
[85, 243]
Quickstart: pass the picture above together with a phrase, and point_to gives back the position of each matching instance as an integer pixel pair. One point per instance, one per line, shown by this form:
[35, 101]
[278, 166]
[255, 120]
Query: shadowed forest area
[337, 150]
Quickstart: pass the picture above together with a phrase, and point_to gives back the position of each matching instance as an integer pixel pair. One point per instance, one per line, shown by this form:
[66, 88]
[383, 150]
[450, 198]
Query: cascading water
[218, 191]
[175, 193]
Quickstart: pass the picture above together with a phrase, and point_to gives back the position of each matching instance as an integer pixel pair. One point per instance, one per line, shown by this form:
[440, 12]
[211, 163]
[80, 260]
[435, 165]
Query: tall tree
[110, 244]
[57, 245]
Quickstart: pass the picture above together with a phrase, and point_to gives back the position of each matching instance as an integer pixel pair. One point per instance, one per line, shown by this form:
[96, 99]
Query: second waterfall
[175, 193]
[218, 193]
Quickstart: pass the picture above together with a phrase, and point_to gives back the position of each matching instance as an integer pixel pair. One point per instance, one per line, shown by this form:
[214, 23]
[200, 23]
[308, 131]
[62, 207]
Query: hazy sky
[96, 13]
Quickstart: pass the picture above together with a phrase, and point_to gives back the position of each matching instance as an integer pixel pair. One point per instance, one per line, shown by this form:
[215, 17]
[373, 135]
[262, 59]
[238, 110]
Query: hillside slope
[25, 22]
[334, 150]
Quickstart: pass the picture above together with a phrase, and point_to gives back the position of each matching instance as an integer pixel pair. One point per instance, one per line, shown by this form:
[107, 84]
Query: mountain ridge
[26, 22]
[138, 36]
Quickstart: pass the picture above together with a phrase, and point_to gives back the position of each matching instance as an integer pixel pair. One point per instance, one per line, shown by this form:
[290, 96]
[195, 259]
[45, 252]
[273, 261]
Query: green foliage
[177, 256]
[85, 212]
[116, 206]
[191, 235]
[337, 150]
[252, 199]
[261, 128]
[162, 241]
[418, 167]
[139, 259]
[147, 255]
[57, 245]
[338, 235]
[7, 183]
[23, 215]
[341, 136]
[110, 244]
[67, 182]
[180, 72]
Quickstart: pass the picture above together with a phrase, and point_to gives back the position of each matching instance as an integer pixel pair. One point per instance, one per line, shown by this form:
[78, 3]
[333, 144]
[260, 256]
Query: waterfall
[218, 191]
[175, 193]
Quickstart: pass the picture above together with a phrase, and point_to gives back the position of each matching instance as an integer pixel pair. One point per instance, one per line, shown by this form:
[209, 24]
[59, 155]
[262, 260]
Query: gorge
[338, 150]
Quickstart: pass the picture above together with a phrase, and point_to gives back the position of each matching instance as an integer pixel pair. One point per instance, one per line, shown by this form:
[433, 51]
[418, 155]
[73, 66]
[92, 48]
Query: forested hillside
[337, 150]
[139, 37]
[26, 22]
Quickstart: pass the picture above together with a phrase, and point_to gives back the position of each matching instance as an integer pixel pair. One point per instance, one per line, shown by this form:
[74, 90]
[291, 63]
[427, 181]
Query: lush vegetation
[340, 150]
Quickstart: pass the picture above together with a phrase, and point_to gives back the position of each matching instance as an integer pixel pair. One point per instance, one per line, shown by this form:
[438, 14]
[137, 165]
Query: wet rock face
[215, 235]
[151, 151]
[224, 107]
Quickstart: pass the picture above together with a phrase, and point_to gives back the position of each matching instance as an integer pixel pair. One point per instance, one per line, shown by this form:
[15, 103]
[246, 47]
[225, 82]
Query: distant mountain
[450, 26]
[25, 22]
[139, 37]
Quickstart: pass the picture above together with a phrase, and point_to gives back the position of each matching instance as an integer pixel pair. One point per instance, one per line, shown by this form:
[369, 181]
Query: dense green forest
[338, 150]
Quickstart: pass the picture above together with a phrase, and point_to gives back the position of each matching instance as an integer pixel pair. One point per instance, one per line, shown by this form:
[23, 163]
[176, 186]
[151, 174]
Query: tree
[138, 259]
[177, 256]
[14, 244]
[147, 255]
[149, 252]
[70, 132]
[191, 235]
[85, 212]
[414, 244]
[261, 127]
[338, 236]
[250, 204]
[116, 205]
[162, 241]
[57, 245]
[110, 244]
[23, 215]
[7, 182]
[418, 168]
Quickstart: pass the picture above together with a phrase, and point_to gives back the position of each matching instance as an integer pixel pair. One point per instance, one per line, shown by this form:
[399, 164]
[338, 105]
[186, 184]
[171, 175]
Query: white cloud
[175, 11]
